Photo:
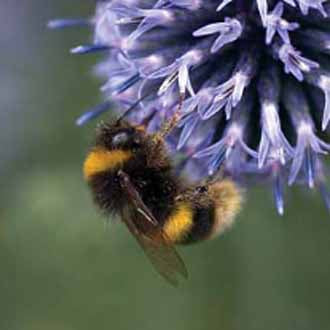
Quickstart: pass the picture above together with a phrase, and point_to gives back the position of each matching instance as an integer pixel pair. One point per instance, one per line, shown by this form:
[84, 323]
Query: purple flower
[254, 74]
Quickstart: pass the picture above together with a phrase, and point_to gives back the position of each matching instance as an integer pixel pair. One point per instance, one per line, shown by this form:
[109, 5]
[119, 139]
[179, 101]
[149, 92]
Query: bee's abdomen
[213, 216]
[227, 198]
[188, 224]
[203, 223]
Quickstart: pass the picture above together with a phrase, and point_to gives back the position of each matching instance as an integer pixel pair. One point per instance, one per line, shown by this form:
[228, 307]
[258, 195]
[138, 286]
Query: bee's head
[120, 136]
[115, 144]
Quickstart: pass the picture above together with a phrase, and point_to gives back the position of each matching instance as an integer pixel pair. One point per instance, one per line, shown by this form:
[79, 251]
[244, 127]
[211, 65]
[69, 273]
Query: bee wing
[154, 242]
[136, 200]
[159, 251]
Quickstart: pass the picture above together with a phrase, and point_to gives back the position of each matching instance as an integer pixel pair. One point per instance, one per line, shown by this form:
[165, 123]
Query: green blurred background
[61, 269]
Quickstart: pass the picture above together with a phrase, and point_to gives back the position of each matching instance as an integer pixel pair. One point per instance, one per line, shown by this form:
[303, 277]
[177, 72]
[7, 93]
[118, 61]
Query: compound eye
[119, 139]
[201, 189]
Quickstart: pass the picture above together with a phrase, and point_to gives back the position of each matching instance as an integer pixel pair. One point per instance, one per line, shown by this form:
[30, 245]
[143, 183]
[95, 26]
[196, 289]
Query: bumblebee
[131, 176]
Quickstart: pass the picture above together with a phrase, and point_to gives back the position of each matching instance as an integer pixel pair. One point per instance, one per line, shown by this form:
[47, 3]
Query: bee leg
[169, 125]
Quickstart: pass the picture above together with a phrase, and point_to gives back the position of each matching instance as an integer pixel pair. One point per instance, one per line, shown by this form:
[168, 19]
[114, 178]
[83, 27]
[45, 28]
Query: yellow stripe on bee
[178, 225]
[100, 160]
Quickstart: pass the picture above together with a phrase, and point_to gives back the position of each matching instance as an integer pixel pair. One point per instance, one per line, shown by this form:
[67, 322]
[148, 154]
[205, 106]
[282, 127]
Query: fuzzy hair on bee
[128, 148]
[131, 175]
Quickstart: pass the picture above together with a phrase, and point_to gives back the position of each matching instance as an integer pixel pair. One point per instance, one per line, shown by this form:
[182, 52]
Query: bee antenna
[135, 104]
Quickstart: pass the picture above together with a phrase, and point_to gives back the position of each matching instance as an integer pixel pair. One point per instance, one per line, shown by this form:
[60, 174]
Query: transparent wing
[152, 239]
[160, 252]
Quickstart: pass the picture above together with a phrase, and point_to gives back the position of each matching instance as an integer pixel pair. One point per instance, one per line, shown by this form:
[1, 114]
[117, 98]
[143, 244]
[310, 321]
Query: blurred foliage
[64, 268]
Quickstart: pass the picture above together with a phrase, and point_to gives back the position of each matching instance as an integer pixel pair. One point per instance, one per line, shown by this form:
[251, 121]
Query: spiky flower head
[255, 76]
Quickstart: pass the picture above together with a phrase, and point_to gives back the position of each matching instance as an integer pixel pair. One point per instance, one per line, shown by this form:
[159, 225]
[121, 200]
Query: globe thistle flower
[254, 76]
